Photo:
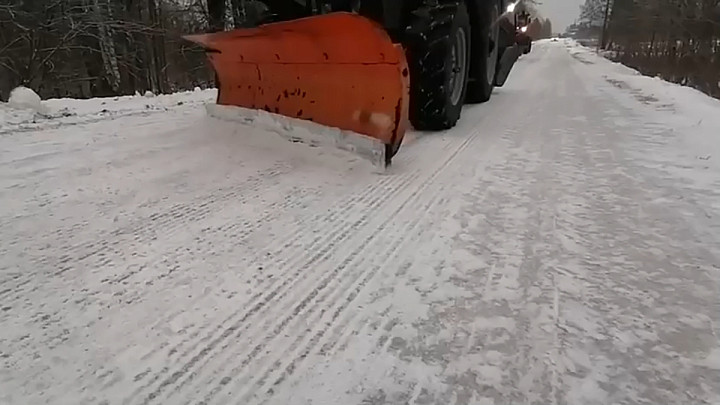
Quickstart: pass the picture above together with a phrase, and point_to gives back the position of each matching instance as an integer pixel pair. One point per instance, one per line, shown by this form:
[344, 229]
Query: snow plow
[369, 68]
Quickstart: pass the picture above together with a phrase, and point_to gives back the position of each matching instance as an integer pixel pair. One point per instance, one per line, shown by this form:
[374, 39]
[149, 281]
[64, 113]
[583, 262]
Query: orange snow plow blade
[340, 70]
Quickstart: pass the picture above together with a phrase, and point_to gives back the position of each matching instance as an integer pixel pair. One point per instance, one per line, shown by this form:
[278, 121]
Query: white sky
[561, 12]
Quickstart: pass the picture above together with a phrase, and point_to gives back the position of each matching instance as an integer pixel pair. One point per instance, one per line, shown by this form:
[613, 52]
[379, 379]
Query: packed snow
[686, 110]
[560, 245]
[23, 98]
[16, 117]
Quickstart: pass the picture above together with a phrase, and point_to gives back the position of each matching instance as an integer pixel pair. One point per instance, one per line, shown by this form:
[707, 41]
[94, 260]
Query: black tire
[486, 54]
[433, 43]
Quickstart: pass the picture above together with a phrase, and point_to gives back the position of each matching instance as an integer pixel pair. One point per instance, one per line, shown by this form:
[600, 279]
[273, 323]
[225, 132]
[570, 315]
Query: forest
[91, 48]
[95, 48]
[676, 40]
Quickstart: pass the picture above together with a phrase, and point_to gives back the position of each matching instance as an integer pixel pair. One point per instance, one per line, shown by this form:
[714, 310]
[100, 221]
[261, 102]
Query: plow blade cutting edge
[340, 70]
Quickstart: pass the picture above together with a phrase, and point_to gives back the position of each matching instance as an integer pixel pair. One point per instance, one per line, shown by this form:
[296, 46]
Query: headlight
[523, 29]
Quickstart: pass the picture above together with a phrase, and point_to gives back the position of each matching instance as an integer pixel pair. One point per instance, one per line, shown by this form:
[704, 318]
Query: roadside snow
[64, 111]
[685, 110]
[677, 127]
[23, 98]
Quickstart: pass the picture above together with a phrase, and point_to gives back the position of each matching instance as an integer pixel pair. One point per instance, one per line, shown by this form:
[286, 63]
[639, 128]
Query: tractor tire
[486, 54]
[438, 48]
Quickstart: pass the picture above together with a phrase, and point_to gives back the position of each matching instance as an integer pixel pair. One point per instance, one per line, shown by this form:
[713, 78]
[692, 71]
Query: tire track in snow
[143, 231]
[359, 322]
[299, 227]
[309, 340]
[522, 277]
[397, 183]
[353, 323]
[160, 263]
[290, 283]
[422, 184]
[206, 208]
[181, 216]
[289, 254]
[340, 211]
[452, 159]
[318, 340]
[240, 233]
[262, 288]
[313, 307]
[543, 332]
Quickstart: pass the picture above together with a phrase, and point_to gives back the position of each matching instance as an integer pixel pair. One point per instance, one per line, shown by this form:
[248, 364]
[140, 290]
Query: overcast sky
[561, 12]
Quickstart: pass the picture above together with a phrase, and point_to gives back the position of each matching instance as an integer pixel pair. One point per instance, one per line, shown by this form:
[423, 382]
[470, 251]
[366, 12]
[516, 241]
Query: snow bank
[693, 115]
[305, 132]
[69, 111]
[23, 98]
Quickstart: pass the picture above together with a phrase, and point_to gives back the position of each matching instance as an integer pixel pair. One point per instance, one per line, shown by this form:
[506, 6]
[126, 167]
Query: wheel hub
[493, 34]
[458, 55]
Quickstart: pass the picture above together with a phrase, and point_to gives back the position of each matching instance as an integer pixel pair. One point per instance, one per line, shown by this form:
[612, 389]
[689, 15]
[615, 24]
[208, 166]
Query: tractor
[373, 67]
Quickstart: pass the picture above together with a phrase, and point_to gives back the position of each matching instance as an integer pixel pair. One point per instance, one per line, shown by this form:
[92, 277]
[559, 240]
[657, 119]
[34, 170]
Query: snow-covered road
[561, 245]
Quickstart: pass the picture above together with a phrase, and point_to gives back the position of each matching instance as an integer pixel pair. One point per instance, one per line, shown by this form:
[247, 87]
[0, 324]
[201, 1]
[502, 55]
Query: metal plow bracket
[305, 132]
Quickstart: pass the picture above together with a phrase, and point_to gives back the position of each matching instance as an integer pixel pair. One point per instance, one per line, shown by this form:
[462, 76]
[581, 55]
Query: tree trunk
[216, 15]
[157, 45]
[239, 13]
[107, 44]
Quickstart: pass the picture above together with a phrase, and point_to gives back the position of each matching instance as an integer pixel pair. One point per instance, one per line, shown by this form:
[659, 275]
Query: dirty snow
[569, 253]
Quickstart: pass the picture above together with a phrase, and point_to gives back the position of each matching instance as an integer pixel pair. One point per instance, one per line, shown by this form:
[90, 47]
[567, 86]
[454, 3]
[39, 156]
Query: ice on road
[560, 245]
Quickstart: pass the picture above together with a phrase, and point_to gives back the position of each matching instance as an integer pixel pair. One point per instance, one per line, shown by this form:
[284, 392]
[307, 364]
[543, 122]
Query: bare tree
[107, 43]
[678, 40]
[84, 48]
